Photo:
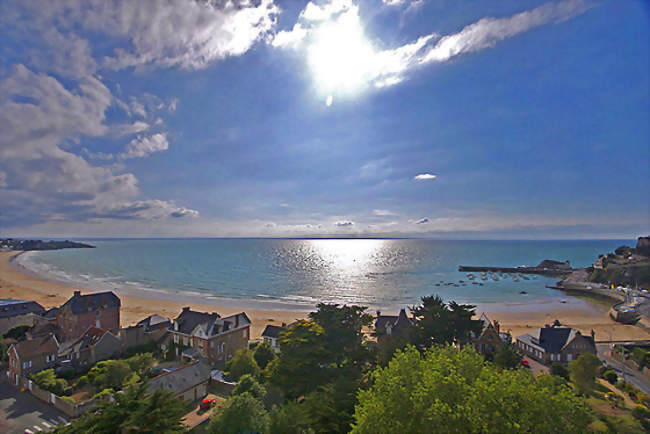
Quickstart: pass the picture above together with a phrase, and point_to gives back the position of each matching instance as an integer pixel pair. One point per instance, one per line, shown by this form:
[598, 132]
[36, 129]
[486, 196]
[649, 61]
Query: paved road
[628, 374]
[20, 412]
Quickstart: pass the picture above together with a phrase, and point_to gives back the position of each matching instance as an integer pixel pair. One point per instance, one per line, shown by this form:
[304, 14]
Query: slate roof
[552, 339]
[400, 321]
[34, 347]
[91, 302]
[181, 379]
[205, 325]
[10, 307]
[90, 337]
[272, 331]
[153, 321]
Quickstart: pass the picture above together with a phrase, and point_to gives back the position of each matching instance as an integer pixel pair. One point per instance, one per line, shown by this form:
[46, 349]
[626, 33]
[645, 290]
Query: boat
[483, 277]
[494, 277]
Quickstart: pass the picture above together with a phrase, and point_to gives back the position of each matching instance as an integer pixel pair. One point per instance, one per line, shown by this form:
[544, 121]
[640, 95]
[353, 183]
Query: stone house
[271, 335]
[387, 326]
[101, 310]
[189, 382]
[15, 313]
[31, 356]
[556, 343]
[491, 338]
[215, 339]
[93, 346]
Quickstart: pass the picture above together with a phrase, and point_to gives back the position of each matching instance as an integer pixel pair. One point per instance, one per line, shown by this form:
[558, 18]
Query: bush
[249, 384]
[240, 414]
[610, 376]
[241, 364]
[559, 370]
[46, 380]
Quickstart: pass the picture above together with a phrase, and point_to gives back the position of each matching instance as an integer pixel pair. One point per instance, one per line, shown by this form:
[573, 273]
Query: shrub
[242, 363]
[559, 370]
[249, 384]
[46, 380]
[610, 376]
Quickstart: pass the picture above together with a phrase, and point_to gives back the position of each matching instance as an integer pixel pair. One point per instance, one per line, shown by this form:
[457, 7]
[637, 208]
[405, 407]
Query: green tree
[240, 414]
[109, 374]
[456, 391]
[241, 364]
[290, 418]
[559, 370]
[331, 407]
[132, 411]
[46, 380]
[248, 384]
[263, 354]
[610, 376]
[141, 363]
[507, 356]
[582, 372]
[439, 323]
[300, 367]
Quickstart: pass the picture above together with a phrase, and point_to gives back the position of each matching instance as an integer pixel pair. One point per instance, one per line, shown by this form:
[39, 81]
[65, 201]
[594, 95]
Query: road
[20, 412]
[630, 375]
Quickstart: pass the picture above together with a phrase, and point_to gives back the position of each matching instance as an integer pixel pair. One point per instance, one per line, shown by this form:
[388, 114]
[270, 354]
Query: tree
[141, 363]
[559, 370]
[610, 376]
[109, 374]
[240, 414]
[507, 356]
[438, 323]
[300, 367]
[17, 332]
[249, 384]
[331, 407]
[263, 354]
[582, 372]
[46, 380]
[241, 364]
[290, 418]
[132, 411]
[456, 391]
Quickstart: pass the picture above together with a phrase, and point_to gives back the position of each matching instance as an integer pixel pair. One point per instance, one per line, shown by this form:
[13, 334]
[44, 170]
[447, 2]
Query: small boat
[494, 277]
[470, 276]
[483, 277]
[515, 279]
[523, 292]
[524, 276]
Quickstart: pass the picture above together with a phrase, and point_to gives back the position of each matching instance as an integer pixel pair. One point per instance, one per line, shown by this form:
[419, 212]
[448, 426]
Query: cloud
[345, 58]
[144, 209]
[344, 224]
[422, 221]
[142, 146]
[487, 32]
[3, 179]
[424, 176]
[383, 212]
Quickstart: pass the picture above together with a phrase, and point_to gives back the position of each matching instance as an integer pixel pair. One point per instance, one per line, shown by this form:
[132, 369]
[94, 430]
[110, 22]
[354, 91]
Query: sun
[340, 56]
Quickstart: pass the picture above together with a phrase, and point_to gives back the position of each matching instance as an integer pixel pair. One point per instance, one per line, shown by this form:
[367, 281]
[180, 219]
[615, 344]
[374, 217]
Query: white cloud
[3, 179]
[424, 176]
[142, 146]
[422, 221]
[383, 212]
[344, 224]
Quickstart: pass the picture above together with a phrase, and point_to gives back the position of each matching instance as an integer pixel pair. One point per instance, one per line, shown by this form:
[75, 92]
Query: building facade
[18, 312]
[491, 339]
[556, 343]
[215, 339]
[93, 346]
[30, 356]
[101, 310]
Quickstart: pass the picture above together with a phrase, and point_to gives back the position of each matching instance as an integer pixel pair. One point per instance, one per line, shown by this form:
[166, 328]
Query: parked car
[207, 403]
[525, 363]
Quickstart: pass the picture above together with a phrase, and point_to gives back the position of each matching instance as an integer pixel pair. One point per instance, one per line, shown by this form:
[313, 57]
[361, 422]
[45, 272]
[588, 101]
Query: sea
[299, 273]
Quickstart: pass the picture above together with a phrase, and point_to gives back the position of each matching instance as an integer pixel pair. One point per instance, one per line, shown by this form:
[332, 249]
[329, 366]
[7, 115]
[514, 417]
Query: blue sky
[472, 119]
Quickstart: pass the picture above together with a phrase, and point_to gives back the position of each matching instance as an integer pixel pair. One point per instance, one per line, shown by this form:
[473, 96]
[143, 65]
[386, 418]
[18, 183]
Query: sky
[271, 118]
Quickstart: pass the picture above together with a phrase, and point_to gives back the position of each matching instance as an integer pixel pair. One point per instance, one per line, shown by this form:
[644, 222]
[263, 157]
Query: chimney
[496, 325]
[236, 320]
[593, 335]
[186, 309]
[378, 313]
[76, 294]
[284, 324]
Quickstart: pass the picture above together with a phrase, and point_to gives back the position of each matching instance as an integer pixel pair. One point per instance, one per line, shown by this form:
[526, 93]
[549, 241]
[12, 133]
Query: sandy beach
[519, 318]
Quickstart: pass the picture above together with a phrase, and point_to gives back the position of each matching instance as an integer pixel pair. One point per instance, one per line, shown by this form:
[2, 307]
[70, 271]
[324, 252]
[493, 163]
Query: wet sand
[516, 317]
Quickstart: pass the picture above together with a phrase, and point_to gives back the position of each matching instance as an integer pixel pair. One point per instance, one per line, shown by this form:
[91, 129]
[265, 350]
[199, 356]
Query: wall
[70, 409]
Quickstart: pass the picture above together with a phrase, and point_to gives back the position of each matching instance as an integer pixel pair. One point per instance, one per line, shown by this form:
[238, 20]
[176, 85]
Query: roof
[399, 321]
[272, 331]
[205, 325]
[180, 379]
[552, 339]
[153, 321]
[90, 337]
[34, 347]
[10, 307]
[90, 302]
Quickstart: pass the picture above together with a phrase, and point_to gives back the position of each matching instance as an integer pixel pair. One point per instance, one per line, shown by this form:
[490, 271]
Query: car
[525, 363]
[207, 403]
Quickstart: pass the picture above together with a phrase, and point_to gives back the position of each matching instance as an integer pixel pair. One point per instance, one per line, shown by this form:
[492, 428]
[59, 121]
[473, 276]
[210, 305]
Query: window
[184, 341]
[175, 339]
[245, 333]
[200, 343]
[211, 344]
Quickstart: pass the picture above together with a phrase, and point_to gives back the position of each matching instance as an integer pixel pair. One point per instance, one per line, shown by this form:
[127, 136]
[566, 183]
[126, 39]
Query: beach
[518, 318]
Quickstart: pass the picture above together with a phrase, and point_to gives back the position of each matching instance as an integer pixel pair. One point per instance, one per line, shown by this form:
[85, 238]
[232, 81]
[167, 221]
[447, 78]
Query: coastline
[518, 318]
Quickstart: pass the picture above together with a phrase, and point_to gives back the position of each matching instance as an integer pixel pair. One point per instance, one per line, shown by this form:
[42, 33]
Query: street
[628, 374]
[20, 412]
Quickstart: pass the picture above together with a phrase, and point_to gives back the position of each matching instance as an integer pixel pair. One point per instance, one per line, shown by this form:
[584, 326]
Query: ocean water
[303, 272]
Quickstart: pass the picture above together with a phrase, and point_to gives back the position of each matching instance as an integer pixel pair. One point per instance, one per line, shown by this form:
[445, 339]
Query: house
[271, 334]
[491, 338]
[216, 339]
[155, 322]
[101, 310]
[189, 382]
[392, 326]
[30, 356]
[93, 346]
[153, 328]
[15, 313]
[556, 343]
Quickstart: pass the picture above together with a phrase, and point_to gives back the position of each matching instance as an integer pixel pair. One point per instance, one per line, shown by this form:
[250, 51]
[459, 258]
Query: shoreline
[18, 282]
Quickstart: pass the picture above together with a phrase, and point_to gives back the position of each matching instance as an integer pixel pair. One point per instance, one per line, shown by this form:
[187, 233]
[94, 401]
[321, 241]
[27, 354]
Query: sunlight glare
[340, 55]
